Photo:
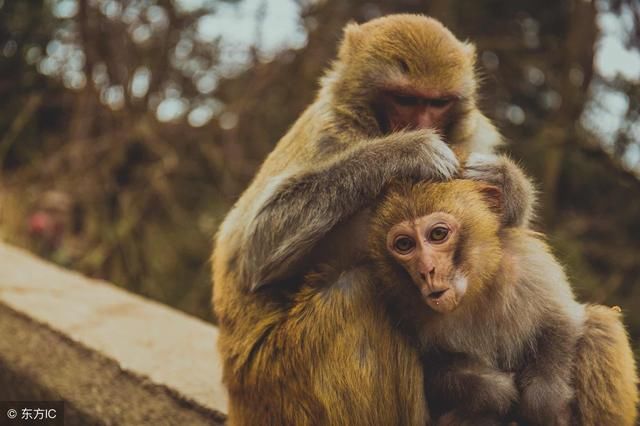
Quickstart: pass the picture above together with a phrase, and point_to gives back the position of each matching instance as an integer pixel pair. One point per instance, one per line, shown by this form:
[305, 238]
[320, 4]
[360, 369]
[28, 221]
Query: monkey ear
[492, 195]
[351, 41]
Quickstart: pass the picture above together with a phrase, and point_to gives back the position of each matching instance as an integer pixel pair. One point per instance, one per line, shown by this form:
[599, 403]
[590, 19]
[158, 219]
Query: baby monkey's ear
[492, 195]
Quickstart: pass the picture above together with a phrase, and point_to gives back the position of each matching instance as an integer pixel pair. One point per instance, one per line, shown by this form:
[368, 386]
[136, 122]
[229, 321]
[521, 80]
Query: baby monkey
[501, 336]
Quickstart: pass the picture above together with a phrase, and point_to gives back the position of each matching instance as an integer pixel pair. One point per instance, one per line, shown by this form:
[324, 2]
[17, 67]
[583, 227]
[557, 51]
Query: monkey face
[425, 247]
[404, 108]
[442, 236]
[410, 70]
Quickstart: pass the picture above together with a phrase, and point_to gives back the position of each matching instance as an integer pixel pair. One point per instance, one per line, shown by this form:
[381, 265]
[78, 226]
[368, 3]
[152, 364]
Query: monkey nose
[429, 271]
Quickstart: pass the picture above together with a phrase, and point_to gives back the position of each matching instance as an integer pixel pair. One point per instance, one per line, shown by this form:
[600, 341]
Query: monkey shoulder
[541, 291]
[531, 264]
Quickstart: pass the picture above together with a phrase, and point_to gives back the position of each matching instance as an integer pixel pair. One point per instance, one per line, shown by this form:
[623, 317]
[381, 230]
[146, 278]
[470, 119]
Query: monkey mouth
[435, 295]
[442, 301]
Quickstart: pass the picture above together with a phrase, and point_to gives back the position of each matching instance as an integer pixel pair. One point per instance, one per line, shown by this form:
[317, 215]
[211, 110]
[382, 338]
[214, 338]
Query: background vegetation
[129, 127]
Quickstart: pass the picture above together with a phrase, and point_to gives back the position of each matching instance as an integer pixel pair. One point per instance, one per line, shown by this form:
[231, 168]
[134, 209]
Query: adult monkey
[323, 353]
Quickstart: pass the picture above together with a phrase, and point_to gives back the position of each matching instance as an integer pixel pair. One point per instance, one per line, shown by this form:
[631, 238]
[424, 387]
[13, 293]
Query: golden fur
[573, 363]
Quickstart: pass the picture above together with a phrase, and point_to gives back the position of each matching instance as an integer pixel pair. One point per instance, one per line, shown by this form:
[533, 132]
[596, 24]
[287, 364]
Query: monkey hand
[425, 156]
[518, 192]
[546, 402]
[479, 390]
[494, 392]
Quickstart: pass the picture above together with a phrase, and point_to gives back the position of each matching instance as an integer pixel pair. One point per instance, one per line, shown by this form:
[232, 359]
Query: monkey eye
[403, 244]
[439, 234]
[406, 100]
[439, 102]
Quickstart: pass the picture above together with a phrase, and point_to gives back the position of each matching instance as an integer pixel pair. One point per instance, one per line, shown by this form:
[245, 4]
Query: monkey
[396, 103]
[493, 315]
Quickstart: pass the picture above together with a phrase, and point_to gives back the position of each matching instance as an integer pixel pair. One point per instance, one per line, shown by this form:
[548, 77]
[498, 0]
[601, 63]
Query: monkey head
[425, 248]
[406, 72]
[441, 237]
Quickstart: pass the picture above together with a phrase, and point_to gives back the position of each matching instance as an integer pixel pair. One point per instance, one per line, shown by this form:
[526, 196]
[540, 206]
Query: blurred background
[129, 127]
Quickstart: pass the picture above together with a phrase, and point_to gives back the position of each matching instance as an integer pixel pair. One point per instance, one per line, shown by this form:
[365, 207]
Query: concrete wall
[113, 357]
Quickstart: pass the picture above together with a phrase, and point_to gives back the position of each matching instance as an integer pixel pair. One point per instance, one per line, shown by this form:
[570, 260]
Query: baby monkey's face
[426, 247]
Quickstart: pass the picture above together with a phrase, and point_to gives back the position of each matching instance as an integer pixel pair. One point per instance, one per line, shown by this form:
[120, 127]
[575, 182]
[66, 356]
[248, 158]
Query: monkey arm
[303, 208]
[518, 193]
[545, 382]
[469, 387]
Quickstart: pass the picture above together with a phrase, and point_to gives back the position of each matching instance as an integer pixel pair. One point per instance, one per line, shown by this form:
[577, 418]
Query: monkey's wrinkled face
[426, 247]
[412, 109]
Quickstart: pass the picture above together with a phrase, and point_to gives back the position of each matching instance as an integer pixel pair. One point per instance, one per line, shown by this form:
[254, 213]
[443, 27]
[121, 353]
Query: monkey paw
[439, 160]
[518, 193]
[546, 402]
[487, 168]
[503, 393]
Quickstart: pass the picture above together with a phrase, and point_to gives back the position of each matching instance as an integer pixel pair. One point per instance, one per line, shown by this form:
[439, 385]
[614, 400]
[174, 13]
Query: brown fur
[330, 359]
[518, 343]
[290, 352]
[605, 382]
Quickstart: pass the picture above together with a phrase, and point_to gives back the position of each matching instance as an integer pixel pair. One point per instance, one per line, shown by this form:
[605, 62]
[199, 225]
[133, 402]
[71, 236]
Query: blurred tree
[151, 116]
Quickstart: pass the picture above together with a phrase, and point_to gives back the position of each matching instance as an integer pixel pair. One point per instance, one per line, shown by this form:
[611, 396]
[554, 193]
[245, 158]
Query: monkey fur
[605, 379]
[513, 343]
[395, 104]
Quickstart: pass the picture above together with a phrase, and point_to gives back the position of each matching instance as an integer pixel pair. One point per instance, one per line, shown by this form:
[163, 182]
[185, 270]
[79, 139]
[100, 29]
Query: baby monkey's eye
[439, 234]
[403, 244]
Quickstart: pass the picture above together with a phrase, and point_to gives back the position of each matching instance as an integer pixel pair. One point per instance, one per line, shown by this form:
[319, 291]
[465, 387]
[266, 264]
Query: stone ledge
[113, 357]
